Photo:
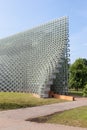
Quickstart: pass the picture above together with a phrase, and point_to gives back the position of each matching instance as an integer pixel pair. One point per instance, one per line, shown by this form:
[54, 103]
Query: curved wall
[36, 60]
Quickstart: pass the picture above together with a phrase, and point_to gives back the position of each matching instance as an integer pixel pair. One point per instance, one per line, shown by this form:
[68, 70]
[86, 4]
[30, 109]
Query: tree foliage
[78, 74]
[85, 91]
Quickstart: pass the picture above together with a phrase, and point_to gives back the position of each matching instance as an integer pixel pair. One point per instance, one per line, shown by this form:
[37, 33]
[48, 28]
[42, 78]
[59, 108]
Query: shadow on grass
[43, 119]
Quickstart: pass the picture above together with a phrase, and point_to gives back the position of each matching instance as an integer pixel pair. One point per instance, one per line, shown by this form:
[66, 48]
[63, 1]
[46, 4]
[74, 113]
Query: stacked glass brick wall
[60, 83]
[36, 60]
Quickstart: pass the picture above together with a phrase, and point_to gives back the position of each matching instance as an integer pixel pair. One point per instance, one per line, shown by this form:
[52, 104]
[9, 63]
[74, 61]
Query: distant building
[36, 61]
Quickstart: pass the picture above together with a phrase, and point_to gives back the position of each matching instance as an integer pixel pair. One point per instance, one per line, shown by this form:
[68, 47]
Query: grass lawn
[74, 117]
[76, 93]
[11, 100]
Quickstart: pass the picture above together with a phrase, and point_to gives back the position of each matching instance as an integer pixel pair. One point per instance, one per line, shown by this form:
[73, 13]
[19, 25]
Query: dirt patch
[42, 119]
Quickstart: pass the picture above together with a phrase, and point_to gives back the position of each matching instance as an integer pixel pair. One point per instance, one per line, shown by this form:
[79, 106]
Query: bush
[85, 91]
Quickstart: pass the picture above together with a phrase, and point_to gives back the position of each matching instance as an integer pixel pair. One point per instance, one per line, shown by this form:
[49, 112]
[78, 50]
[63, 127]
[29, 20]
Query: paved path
[15, 119]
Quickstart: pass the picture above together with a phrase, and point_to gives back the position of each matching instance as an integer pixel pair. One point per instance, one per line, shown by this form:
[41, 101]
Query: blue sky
[20, 15]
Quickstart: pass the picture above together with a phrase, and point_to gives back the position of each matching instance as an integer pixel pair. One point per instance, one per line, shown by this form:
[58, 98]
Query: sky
[21, 15]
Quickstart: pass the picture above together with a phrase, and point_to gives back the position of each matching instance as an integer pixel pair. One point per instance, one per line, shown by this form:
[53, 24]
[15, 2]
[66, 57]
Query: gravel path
[15, 119]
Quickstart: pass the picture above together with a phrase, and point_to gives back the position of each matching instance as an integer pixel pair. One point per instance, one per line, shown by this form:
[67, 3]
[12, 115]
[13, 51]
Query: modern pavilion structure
[36, 60]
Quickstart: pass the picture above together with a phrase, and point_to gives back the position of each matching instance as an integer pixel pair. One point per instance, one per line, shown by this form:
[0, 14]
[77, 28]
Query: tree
[78, 74]
[85, 91]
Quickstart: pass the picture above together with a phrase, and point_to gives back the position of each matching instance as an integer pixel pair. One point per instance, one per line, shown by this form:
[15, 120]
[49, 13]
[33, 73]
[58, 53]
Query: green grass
[76, 93]
[11, 100]
[74, 117]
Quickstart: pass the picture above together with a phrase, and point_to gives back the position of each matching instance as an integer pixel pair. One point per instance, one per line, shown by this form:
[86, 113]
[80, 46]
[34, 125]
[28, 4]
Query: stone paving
[15, 119]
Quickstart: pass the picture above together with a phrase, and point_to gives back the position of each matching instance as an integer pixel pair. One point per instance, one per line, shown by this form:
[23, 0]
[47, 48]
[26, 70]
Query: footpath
[16, 119]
